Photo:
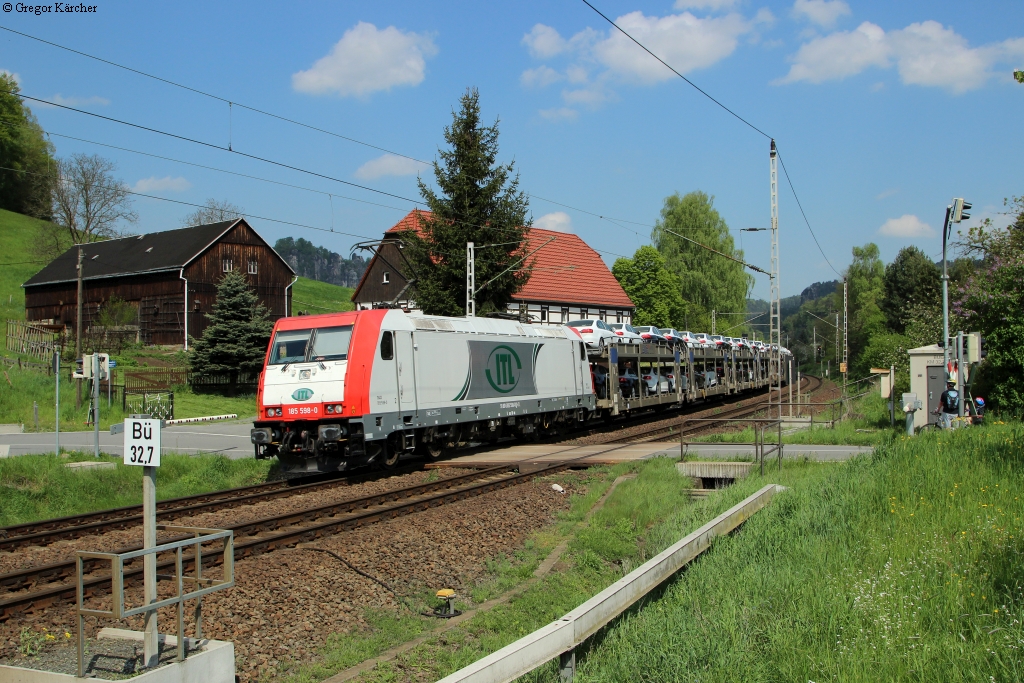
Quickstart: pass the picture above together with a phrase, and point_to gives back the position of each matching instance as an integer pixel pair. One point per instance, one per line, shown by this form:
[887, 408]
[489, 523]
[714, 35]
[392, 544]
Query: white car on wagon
[595, 333]
[626, 333]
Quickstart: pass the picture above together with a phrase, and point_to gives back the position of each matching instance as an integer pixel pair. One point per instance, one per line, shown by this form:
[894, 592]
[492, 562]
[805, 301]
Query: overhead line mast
[775, 335]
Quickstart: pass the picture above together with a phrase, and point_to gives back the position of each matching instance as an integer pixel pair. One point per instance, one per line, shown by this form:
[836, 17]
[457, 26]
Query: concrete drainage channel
[710, 476]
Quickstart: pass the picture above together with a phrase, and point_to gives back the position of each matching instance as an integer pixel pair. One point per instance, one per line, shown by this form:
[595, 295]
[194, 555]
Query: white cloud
[924, 53]
[907, 225]
[886, 193]
[539, 77]
[712, 5]
[841, 54]
[682, 40]
[544, 42]
[824, 13]
[559, 221]
[576, 74]
[165, 184]
[591, 96]
[366, 60]
[559, 114]
[388, 164]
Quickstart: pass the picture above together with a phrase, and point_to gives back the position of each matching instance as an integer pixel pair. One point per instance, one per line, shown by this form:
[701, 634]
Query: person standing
[949, 404]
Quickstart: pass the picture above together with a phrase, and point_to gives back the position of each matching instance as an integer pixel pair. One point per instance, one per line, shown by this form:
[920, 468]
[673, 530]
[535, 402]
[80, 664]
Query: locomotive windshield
[299, 346]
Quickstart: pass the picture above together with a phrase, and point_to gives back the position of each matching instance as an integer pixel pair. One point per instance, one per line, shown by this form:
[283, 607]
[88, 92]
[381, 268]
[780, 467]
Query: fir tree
[237, 332]
[480, 202]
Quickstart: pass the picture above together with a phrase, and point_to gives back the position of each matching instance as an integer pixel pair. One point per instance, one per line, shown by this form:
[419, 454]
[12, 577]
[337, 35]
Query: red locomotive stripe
[362, 351]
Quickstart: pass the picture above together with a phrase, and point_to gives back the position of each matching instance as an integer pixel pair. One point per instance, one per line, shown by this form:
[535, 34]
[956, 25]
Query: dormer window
[227, 265]
[387, 277]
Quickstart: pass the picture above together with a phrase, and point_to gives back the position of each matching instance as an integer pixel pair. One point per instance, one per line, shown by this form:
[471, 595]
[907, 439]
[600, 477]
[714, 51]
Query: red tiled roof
[565, 270]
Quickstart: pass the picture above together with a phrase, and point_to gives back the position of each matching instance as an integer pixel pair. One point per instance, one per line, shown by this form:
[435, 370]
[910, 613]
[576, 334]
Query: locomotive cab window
[289, 347]
[331, 343]
[387, 346]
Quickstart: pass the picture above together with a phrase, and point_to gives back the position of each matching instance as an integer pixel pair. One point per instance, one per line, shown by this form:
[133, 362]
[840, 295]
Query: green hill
[320, 297]
[18, 261]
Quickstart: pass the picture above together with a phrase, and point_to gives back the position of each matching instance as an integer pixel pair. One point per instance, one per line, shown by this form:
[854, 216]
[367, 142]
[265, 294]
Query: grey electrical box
[910, 403]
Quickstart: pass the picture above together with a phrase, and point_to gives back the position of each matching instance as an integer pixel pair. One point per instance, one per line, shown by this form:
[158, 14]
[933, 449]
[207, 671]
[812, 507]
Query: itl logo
[500, 374]
[302, 394]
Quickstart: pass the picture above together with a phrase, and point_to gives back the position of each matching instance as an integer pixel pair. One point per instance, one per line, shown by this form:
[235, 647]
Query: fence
[38, 342]
[158, 404]
[165, 379]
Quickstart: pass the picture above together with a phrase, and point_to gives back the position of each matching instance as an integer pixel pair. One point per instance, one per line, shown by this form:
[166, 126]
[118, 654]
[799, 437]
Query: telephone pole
[78, 327]
[470, 280]
[774, 338]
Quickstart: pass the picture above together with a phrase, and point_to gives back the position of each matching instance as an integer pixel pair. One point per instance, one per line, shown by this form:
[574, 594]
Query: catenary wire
[730, 111]
[212, 96]
[201, 206]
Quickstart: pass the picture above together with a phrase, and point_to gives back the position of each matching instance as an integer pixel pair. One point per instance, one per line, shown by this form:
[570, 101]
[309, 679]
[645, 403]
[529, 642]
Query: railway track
[44, 586]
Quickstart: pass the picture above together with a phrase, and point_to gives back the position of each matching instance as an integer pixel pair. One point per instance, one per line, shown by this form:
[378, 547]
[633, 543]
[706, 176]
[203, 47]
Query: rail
[561, 638]
[118, 560]
[760, 425]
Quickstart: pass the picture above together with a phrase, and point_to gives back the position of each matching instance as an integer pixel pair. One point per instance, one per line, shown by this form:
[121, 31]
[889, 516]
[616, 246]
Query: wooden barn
[169, 277]
[569, 279]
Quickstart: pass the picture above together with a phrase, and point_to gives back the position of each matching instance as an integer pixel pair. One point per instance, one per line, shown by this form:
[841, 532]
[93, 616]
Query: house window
[603, 315]
[618, 316]
[543, 314]
[253, 266]
[227, 265]
[565, 314]
[387, 278]
[583, 312]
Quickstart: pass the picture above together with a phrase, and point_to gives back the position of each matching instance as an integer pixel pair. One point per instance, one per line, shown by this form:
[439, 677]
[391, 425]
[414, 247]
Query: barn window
[387, 277]
[227, 265]
[253, 266]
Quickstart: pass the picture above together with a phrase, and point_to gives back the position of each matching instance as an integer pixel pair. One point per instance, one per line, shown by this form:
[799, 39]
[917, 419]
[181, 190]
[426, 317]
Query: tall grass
[904, 566]
[41, 487]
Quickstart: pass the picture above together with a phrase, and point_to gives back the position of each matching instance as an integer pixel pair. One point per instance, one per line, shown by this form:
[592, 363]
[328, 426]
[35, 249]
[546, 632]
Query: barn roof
[150, 253]
[565, 270]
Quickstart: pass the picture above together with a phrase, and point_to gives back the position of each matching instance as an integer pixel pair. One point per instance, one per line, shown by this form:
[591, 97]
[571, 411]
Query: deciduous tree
[911, 281]
[653, 289]
[213, 211]
[708, 281]
[24, 149]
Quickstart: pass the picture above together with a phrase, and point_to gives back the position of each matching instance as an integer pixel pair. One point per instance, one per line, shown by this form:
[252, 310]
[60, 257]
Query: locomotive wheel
[389, 458]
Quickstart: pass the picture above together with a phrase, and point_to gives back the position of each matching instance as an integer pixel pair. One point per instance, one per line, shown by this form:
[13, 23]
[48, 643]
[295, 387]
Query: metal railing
[760, 425]
[118, 560]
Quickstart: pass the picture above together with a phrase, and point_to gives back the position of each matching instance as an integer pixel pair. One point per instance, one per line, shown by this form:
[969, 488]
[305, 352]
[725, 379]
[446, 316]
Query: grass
[321, 297]
[41, 487]
[18, 263]
[904, 566]
[28, 386]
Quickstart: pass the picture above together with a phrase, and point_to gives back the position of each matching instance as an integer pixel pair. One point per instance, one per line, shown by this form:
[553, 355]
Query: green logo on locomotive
[503, 369]
[302, 394]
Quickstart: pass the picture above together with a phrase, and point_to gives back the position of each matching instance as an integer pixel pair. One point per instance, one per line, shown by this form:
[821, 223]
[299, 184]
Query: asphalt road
[230, 438]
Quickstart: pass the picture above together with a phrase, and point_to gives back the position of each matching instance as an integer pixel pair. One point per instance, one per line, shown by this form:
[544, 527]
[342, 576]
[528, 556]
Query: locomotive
[344, 390]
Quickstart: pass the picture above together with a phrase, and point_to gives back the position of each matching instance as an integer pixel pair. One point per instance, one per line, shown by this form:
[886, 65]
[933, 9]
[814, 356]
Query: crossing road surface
[231, 438]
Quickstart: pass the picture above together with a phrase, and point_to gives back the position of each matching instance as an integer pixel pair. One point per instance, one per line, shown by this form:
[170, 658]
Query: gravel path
[286, 603]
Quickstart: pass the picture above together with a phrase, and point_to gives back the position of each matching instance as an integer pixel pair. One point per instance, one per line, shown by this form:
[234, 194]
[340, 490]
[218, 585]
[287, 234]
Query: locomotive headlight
[330, 410]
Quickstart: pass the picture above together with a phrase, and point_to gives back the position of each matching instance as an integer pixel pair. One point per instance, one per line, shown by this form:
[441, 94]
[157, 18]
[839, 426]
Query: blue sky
[883, 111]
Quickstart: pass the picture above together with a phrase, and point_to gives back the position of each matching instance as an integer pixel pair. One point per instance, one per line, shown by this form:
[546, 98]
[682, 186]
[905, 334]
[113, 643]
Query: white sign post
[142, 448]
